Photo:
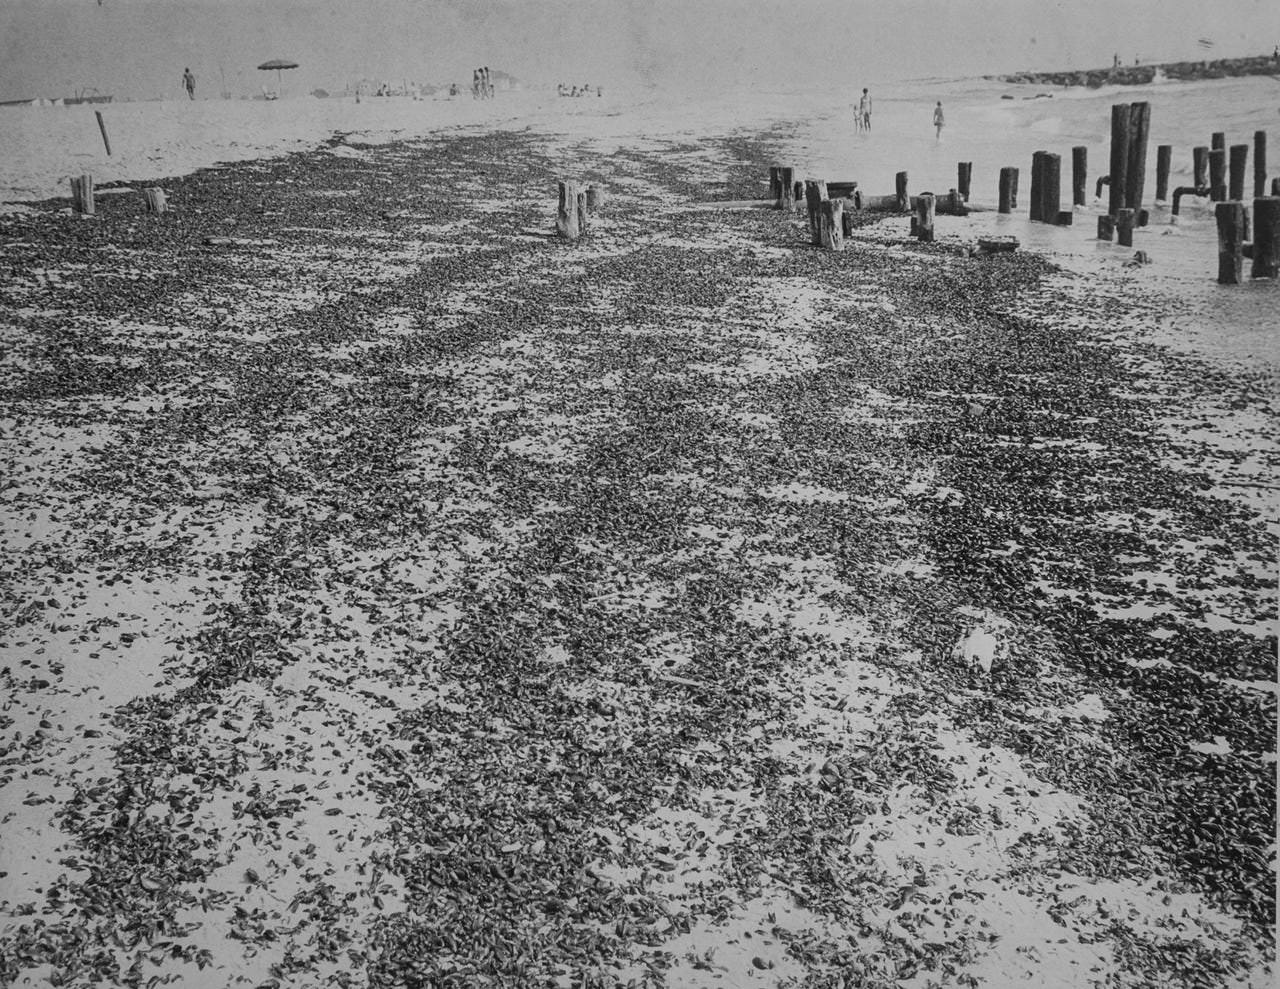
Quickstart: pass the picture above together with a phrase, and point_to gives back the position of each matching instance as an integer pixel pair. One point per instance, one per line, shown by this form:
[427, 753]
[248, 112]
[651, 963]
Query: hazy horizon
[139, 48]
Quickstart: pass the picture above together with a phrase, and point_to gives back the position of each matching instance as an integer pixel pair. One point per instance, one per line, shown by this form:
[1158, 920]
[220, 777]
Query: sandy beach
[399, 595]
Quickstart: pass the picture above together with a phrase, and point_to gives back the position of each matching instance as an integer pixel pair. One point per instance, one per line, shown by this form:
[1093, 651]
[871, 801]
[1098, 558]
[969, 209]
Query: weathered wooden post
[1050, 187]
[1035, 209]
[1259, 163]
[102, 127]
[1124, 227]
[1275, 187]
[964, 177]
[82, 195]
[1106, 227]
[1079, 174]
[1218, 175]
[925, 207]
[156, 201]
[786, 189]
[1008, 189]
[1200, 167]
[1136, 177]
[1238, 161]
[833, 224]
[568, 219]
[1230, 242]
[1164, 159]
[1219, 141]
[900, 188]
[1119, 158]
[815, 193]
[595, 197]
[583, 222]
[1266, 237]
[775, 187]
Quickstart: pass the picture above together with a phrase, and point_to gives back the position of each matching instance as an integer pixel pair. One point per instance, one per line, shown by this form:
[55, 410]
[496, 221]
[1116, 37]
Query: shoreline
[631, 609]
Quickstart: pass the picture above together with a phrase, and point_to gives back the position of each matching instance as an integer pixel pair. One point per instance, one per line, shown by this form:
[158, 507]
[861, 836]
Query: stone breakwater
[1140, 75]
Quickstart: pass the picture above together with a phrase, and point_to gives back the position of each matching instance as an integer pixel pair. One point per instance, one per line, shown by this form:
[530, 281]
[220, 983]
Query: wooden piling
[1050, 187]
[595, 197]
[1230, 218]
[1266, 237]
[964, 178]
[900, 189]
[583, 222]
[102, 128]
[568, 219]
[82, 195]
[1275, 187]
[1259, 164]
[1124, 227]
[1106, 227]
[1200, 167]
[1035, 209]
[784, 191]
[1008, 188]
[1218, 141]
[832, 224]
[1164, 160]
[1079, 174]
[815, 193]
[155, 198]
[1238, 160]
[775, 186]
[1119, 157]
[924, 217]
[1136, 175]
[1218, 175]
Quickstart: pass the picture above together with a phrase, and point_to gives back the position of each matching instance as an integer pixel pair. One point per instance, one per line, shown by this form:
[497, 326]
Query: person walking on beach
[864, 109]
[189, 83]
[938, 120]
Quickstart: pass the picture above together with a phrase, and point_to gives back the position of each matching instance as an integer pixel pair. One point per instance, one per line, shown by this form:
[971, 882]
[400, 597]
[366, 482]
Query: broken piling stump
[1200, 167]
[1218, 174]
[1035, 209]
[1124, 227]
[1136, 173]
[1237, 161]
[1119, 184]
[925, 208]
[1266, 237]
[815, 193]
[832, 224]
[964, 178]
[155, 199]
[1230, 217]
[1079, 174]
[1106, 228]
[568, 217]
[1050, 187]
[1008, 189]
[900, 190]
[82, 195]
[1259, 163]
[1164, 159]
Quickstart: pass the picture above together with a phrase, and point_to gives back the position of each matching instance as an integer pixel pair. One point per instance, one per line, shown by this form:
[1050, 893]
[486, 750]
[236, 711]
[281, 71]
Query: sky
[139, 48]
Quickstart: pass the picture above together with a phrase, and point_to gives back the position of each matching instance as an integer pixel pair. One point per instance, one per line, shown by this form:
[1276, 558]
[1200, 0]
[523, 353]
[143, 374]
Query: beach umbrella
[278, 64]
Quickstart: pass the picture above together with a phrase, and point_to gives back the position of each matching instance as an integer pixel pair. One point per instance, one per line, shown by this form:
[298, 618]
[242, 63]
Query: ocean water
[44, 145]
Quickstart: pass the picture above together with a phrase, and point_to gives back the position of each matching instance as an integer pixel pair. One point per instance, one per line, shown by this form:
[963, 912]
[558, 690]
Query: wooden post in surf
[1230, 218]
[1218, 175]
[815, 193]
[1219, 141]
[1200, 167]
[786, 189]
[1106, 228]
[156, 201]
[1124, 227]
[900, 189]
[964, 178]
[1008, 189]
[1164, 159]
[925, 207]
[1239, 159]
[1259, 164]
[82, 195]
[568, 219]
[1035, 210]
[1079, 174]
[102, 127]
[1119, 184]
[1136, 174]
[1266, 237]
[1050, 187]
[832, 224]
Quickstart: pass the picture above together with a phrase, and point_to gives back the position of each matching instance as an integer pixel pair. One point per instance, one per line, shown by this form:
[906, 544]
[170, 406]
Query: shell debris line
[397, 595]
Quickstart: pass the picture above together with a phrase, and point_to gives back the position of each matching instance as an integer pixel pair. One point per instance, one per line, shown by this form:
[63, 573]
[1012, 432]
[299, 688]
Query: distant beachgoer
[864, 109]
[938, 120]
[189, 82]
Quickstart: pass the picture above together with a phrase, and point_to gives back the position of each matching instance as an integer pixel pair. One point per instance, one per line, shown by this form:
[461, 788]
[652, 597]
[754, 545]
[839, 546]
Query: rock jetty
[1138, 75]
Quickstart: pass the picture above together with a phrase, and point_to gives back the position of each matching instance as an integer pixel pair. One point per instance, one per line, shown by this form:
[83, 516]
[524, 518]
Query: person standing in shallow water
[938, 120]
[189, 83]
[864, 109]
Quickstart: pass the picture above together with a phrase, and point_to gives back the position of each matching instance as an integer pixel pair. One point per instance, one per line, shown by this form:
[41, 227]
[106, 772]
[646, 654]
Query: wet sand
[403, 596]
